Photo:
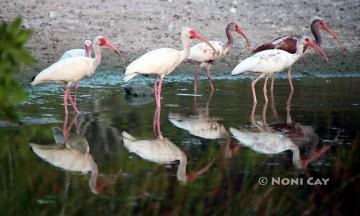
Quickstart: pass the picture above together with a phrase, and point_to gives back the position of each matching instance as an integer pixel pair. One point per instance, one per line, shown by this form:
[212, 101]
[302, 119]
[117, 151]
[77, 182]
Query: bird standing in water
[163, 61]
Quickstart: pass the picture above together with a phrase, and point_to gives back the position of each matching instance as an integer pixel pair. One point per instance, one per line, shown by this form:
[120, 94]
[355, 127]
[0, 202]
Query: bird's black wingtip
[32, 79]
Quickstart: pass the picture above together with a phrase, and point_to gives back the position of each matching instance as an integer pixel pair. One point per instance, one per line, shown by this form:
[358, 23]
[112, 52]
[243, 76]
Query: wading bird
[78, 52]
[271, 61]
[288, 43]
[204, 56]
[73, 69]
[163, 61]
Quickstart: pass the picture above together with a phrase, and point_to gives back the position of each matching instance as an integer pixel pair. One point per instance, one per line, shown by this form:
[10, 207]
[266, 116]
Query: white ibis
[204, 56]
[163, 61]
[288, 43]
[72, 69]
[78, 52]
[271, 61]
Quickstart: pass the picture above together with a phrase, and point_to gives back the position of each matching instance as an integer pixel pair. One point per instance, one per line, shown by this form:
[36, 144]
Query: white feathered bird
[71, 70]
[78, 52]
[204, 56]
[268, 62]
[163, 61]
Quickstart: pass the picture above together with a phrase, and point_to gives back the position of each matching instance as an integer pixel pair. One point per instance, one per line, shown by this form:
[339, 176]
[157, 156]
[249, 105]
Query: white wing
[202, 52]
[267, 61]
[73, 53]
[68, 70]
[160, 61]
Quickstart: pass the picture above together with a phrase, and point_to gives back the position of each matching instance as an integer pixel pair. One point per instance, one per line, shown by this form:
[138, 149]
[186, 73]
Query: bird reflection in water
[162, 151]
[278, 138]
[204, 126]
[71, 152]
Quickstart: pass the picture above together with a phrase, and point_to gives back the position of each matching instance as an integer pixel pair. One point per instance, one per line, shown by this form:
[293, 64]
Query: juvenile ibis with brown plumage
[268, 62]
[288, 43]
[204, 56]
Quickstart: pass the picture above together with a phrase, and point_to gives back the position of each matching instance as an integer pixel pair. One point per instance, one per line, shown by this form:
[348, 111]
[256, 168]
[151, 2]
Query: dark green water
[222, 173]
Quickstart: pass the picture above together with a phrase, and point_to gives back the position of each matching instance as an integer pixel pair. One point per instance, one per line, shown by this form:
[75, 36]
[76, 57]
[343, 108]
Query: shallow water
[197, 165]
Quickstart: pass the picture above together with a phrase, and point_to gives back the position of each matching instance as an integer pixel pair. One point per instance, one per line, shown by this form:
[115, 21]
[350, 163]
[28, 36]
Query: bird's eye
[307, 39]
[192, 34]
[321, 23]
[102, 41]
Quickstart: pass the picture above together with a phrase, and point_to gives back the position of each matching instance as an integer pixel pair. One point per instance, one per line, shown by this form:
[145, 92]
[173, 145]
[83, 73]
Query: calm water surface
[209, 158]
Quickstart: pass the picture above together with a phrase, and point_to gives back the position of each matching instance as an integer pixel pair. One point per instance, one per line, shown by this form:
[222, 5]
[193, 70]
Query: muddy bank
[138, 26]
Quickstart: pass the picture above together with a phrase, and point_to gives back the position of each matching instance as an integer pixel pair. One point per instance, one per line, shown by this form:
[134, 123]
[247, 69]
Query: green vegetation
[13, 56]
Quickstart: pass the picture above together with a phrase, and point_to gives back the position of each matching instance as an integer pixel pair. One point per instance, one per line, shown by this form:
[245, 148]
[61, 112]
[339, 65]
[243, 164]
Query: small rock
[52, 14]
[139, 90]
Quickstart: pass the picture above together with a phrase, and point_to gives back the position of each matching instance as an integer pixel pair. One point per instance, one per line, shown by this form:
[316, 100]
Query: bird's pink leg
[265, 89]
[252, 116]
[158, 103]
[209, 77]
[290, 80]
[72, 102]
[76, 86]
[74, 122]
[265, 125]
[155, 89]
[66, 93]
[156, 123]
[272, 85]
[288, 108]
[65, 132]
[253, 88]
[273, 107]
[197, 76]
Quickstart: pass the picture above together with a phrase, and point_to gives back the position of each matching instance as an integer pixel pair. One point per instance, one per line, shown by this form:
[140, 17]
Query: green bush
[13, 56]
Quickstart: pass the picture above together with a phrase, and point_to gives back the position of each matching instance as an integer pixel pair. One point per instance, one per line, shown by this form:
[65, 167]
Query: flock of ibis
[267, 59]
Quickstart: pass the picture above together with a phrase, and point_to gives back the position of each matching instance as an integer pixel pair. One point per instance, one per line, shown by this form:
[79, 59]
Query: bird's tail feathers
[127, 136]
[128, 77]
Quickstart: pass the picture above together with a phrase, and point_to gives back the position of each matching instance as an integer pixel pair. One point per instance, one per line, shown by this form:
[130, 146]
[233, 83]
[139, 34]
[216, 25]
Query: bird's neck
[230, 38]
[97, 53]
[316, 33]
[186, 48]
[300, 49]
[181, 171]
[296, 159]
[93, 177]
